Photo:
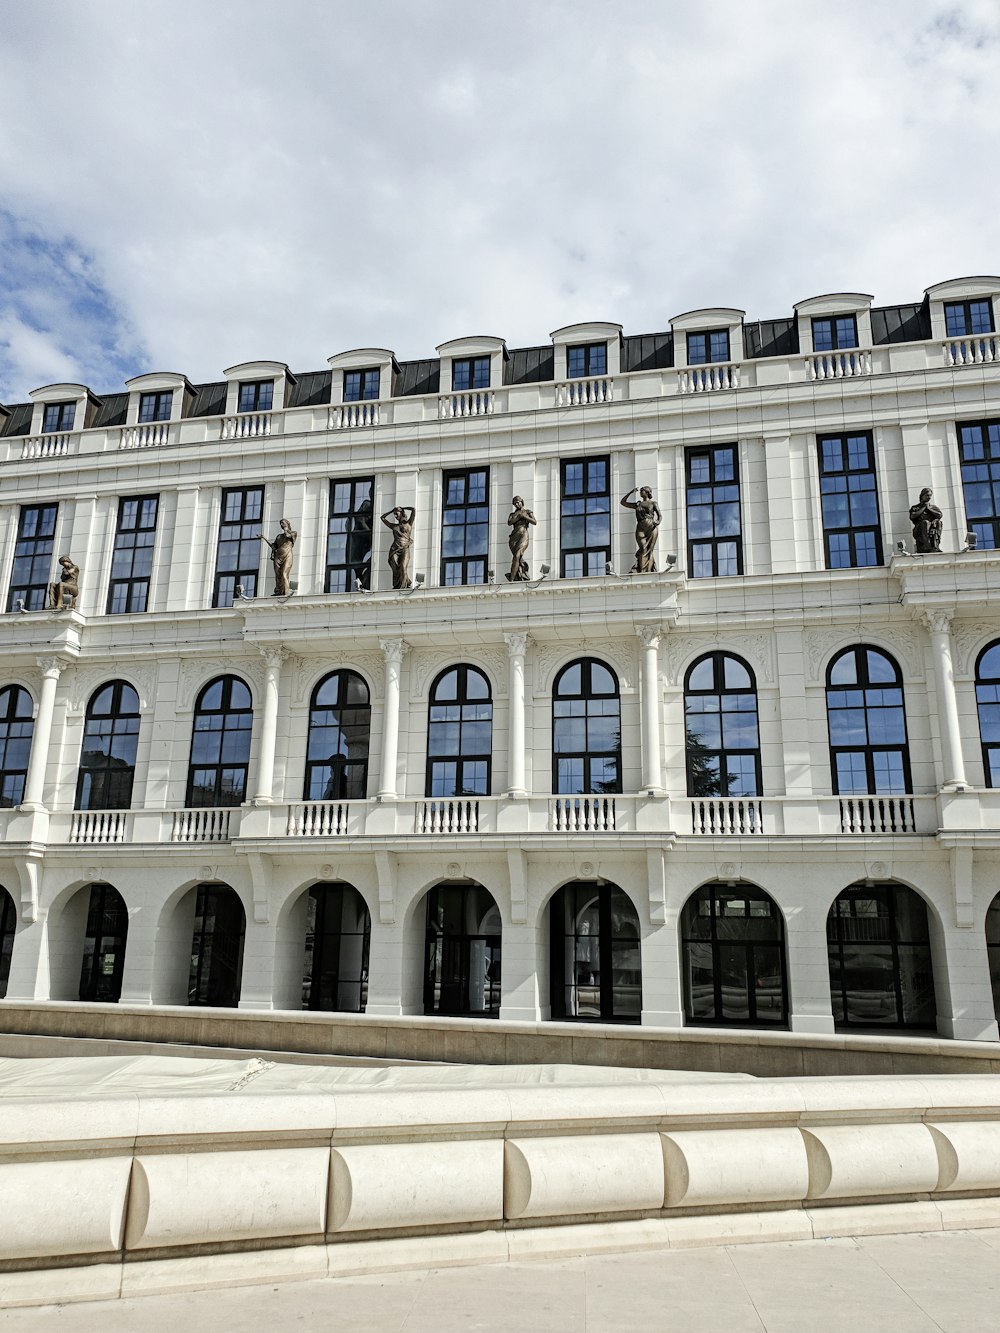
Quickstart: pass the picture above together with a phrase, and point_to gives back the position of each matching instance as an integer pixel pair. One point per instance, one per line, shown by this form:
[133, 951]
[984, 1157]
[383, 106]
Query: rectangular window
[256, 396]
[238, 560]
[715, 542]
[585, 517]
[32, 572]
[470, 373]
[835, 334]
[465, 531]
[979, 449]
[155, 406]
[58, 417]
[132, 559]
[703, 348]
[851, 528]
[349, 535]
[587, 360]
[967, 318]
[361, 385]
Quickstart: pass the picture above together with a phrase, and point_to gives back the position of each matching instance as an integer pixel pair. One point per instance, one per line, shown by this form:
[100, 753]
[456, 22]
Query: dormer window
[155, 406]
[362, 385]
[966, 318]
[835, 333]
[586, 360]
[58, 418]
[470, 372]
[711, 346]
[256, 396]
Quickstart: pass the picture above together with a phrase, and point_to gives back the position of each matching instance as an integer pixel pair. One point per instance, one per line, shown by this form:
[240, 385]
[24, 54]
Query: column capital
[649, 635]
[517, 643]
[273, 654]
[394, 649]
[52, 666]
[938, 620]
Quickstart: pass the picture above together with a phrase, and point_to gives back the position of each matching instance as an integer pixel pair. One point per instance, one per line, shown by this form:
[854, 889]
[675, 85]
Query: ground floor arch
[595, 954]
[216, 973]
[8, 927]
[992, 950]
[462, 952]
[879, 947]
[337, 933]
[88, 933]
[733, 958]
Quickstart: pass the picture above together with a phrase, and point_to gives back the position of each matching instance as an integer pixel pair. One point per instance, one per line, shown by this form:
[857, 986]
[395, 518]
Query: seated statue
[63, 595]
[927, 522]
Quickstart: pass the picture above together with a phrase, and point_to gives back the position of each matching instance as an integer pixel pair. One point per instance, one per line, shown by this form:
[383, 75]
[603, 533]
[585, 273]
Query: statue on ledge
[647, 523]
[399, 521]
[281, 557]
[927, 522]
[519, 522]
[63, 595]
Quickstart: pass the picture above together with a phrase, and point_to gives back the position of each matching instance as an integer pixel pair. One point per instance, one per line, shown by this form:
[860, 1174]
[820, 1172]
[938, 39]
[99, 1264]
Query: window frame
[832, 339]
[987, 527]
[111, 786]
[836, 945]
[852, 531]
[706, 356]
[219, 767]
[54, 418]
[338, 763]
[868, 750]
[202, 976]
[723, 753]
[354, 518]
[991, 683]
[477, 373]
[460, 758]
[713, 485]
[136, 586]
[589, 554]
[160, 403]
[250, 393]
[363, 375]
[588, 756]
[716, 895]
[14, 699]
[246, 576]
[965, 307]
[560, 907]
[453, 950]
[328, 899]
[477, 563]
[8, 930]
[589, 353]
[35, 593]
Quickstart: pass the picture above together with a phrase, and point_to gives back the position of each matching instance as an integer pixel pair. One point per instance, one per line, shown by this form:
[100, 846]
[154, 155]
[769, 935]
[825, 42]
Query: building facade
[753, 786]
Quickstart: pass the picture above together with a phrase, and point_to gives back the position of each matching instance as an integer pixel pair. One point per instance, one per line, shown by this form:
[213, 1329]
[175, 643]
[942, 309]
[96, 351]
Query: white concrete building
[757, 787]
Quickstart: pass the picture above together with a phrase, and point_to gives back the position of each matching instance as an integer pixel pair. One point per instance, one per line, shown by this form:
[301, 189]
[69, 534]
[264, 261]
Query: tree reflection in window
[720, 726]
[460, 734]
[586, 729]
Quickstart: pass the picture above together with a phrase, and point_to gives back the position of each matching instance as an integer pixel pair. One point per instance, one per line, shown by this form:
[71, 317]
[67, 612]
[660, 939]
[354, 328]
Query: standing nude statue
[927, 522]
[399, 521]
[519, 522]
[63, 594]
[647, 522]
[281, 557]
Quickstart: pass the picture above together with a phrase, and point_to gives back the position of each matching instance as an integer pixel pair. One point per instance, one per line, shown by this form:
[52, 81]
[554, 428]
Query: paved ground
[940, 1283]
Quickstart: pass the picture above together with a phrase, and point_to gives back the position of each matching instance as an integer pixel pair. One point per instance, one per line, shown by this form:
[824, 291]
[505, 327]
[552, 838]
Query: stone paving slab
[923, 1283]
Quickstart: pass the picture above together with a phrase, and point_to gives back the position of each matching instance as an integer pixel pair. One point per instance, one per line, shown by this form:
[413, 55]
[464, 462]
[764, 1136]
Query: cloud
[191, 185]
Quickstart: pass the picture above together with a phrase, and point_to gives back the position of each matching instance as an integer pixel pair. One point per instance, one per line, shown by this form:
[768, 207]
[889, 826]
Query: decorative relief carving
[649, 635]
[517, 644]
[682, 650]
[427, 665]
[621, 654]
[305, 673]
[937, 620]
[898, 640]
[84, 680]
[198, 671]
[969, 640]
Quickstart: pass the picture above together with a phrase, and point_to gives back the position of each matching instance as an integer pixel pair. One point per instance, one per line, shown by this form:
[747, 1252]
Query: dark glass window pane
[585, 524]
[586, 729]
[220, 744]
[715, 545]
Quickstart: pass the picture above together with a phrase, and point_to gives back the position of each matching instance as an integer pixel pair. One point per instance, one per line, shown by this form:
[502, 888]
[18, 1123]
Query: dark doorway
[596, 955]
[217, 947]
[462, 952]
[733, 946]
[104, 946]
[338, 935]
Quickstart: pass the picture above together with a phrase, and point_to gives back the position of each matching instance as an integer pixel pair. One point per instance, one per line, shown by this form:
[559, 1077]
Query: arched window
[992, 951]
[107, 756]
[880, 958]
[338, 934]
[864, 706]
[16, 727]
[720, 728]
[586, 729]
[340, 718]
[733, 944]
[988, 702]
[596, 962]
[460, 734]
[8, 925]
[462, 954]
[217, 947]
[220, 745]
[104, 945]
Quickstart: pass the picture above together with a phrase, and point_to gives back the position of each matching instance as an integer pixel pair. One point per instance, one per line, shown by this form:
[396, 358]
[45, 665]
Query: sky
[187, 186]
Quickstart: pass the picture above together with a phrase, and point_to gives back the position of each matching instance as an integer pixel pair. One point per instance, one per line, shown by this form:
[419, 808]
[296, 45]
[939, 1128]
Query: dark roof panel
[209, 400]
[647, 351]
[529, 365]
[19, 421]
[416, 377]
[112, 410]
[901, 323]
[311, 389]
[771, 337]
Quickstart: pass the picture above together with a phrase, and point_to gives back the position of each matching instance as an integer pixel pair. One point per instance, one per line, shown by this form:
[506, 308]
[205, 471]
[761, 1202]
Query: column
[517, 645]
[395, 650]
[652, 762]
[937, 623]
[273, 656]
[35, 781]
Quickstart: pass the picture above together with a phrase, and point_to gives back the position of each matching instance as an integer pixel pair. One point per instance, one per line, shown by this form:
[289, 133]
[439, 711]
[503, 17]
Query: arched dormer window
[869, 752]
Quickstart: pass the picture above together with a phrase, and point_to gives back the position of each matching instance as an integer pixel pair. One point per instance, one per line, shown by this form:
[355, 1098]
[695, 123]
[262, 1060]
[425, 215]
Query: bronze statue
[63, 594]
[647, 522]
[281, 557]
[402, 541]
[927, 522]
[519, 522]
